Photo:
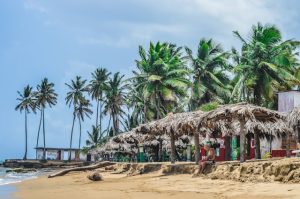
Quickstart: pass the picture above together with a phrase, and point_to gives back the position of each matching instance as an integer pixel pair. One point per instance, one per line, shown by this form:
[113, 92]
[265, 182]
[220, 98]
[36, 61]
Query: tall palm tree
[161, 77]
[26, 104]
[74, 98]
[82, 110]
[266, 65]
[97, 87]
[45, 96]
[210, 81]
[115, 100]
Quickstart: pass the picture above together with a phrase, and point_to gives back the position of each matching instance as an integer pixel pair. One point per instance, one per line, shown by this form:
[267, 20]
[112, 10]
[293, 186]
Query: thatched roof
[225, 119]
[128, 142]
[170, 122]
[293, 118]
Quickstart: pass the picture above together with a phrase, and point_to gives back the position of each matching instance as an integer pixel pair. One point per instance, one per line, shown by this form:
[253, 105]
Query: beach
[152, 185]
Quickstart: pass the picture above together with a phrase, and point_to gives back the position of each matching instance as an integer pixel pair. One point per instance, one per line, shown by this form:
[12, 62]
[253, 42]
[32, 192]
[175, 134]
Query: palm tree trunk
[100, 122]
[97, 113]
[107, 129]
[71, 139]
[44, 135]
[25, 155]
[114, 123]
[79, 120]
[38, 134]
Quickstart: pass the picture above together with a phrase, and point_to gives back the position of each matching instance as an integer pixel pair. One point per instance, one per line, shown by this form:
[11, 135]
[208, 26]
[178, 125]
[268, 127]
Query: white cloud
[34, 5]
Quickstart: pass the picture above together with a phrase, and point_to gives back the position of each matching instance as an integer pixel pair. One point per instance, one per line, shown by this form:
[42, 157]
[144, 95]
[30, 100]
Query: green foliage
[210, 80]
[265, 66]
[209, 106]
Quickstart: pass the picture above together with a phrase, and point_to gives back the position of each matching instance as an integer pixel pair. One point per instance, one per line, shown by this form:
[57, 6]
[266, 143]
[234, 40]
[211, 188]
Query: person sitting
[209, 159]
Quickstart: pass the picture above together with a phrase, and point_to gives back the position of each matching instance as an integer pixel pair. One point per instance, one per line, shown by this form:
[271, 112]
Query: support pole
[197, 148]
[242, 141]
[257, 146]
[172, 147]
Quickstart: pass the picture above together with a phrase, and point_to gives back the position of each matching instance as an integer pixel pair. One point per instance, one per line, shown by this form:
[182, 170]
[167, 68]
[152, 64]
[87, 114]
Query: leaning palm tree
[45, 96]
[26, 104]
[115, 99]
[97, 87]
[210, 81]
[82, 110]
[161, 77]
[74, 98]
[266, 65]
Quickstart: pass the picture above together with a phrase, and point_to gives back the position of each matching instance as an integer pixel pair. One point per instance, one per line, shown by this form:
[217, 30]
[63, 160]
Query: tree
[26, 103]
[210, 81]
[115, 100]
[265, 66]
[97, 87]
[45, 96]
[161, 77]
[94, 138]
[74, 98]
[82, 110]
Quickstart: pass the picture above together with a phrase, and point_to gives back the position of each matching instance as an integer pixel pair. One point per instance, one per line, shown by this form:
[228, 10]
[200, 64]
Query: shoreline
[146, 186]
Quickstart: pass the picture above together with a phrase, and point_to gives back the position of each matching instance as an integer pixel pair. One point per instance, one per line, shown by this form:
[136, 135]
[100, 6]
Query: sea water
[8, 179]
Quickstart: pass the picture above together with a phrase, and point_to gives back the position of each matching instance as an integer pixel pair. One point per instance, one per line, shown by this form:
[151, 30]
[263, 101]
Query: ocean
[7, 181]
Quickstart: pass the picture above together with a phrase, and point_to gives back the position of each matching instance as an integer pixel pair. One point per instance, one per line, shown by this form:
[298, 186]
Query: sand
[152, 185]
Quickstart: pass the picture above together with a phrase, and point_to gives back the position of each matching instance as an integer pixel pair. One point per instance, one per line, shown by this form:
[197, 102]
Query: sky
[60, 39]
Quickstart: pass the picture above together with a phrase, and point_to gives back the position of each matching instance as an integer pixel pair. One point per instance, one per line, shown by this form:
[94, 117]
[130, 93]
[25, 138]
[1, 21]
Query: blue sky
[60, 39]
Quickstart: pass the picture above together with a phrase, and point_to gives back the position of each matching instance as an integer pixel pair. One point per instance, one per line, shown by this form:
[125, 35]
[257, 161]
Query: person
[209, 159]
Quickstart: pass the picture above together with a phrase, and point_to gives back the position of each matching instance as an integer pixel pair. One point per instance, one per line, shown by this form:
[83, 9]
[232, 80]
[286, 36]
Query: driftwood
[86, 168]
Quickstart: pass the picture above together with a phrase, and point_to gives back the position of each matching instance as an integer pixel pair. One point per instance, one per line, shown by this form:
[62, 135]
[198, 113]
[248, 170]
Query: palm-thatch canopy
[169, 123]
[293, 118]
[225, 119]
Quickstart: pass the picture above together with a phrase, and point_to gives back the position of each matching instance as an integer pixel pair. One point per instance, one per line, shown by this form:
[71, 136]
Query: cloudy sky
[60, 39]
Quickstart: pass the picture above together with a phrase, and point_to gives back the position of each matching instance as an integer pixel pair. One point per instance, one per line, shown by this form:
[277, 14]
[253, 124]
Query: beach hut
[229, 120]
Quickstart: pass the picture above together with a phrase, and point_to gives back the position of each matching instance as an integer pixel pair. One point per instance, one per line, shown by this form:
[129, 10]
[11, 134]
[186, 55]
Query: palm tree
[94, 138]
[45, 95]
[74, 98]
[26, 104]
[82, 110]
[161, 77]
[265, 66]
[210, 82]
[97, 87]
[115, 99]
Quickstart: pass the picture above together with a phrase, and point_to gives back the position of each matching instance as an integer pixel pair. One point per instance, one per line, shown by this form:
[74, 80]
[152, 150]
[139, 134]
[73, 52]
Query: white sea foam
[10, 178]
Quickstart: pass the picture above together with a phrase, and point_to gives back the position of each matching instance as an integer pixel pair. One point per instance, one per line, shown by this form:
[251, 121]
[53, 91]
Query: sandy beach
[153, 185]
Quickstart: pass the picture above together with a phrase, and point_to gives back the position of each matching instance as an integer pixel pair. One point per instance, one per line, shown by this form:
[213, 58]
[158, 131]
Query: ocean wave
[10, 178]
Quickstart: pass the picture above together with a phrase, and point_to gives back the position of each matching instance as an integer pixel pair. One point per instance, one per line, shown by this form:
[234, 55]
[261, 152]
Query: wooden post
[288, 145]
[242, 140]
[160, 150]
[172, 147]
[257, 146]
[197, 148]
[227, 148]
